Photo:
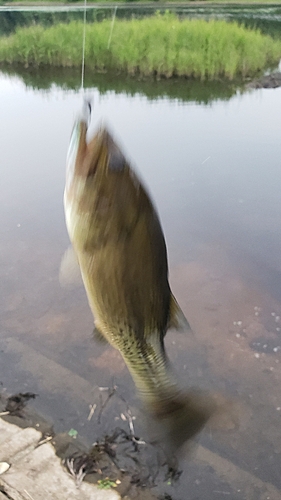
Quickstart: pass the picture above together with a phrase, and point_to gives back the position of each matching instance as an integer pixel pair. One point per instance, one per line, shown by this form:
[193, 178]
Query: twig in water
[131, 425]
[45, 440]
[92, 411]
[78, 476]
[132, 429]
[110, 394]
[70, 462]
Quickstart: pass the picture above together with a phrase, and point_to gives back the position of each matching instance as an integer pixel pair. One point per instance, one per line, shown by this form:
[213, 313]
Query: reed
[161, 45]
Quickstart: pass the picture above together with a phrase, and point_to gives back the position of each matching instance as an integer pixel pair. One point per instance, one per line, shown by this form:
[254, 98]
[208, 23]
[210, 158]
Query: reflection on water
[214, 173]
[179, 89]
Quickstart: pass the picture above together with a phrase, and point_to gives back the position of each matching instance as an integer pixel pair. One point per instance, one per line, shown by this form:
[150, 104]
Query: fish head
[102, 194]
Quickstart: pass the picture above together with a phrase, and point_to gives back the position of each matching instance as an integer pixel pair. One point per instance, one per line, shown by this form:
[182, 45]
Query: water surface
[213, 171]
[265, 17]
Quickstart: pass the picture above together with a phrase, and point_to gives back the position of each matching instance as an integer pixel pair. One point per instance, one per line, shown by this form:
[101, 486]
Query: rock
[271, 81]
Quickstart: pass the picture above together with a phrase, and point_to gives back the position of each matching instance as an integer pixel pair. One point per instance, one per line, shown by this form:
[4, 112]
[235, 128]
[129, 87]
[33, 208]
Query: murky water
[214, 173]
[212, 166]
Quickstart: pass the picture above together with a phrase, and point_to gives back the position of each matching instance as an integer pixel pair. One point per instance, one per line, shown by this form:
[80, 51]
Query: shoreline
[33, 458]
[133, 4]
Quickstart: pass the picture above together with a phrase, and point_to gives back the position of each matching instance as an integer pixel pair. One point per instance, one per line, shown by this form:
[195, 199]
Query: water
[265, 17]
[214, 173]
[210, 157]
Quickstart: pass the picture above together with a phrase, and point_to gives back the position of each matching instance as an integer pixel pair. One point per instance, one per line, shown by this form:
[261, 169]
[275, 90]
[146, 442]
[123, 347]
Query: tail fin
[180, 418]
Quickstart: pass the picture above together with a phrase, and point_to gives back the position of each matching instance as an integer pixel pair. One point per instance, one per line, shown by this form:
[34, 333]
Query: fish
[120, 247]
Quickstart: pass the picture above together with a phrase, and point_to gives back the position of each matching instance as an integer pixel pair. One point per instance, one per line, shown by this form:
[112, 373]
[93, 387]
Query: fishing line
[112, 26]
[83, 44]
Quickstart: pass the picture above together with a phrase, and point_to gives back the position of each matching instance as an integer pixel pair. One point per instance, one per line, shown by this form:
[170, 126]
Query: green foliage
[73, 433]
[106, 484]
[161, 45]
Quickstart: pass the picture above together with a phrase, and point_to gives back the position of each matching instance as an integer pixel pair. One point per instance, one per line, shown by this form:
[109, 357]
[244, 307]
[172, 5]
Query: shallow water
[213, 171]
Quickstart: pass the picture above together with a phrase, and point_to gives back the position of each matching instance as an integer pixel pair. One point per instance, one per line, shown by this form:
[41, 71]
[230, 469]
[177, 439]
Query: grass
[161, 45]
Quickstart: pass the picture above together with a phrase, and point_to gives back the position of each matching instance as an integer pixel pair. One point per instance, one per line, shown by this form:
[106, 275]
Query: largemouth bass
[119, 243]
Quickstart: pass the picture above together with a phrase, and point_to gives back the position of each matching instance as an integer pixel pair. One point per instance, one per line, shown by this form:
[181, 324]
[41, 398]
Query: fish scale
[118, 240]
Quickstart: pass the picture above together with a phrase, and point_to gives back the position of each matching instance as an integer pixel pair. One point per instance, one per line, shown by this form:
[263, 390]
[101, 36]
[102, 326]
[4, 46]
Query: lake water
[263, 16]
[212, 166]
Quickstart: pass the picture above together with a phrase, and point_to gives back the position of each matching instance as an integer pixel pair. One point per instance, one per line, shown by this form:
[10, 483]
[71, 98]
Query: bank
[34, 471]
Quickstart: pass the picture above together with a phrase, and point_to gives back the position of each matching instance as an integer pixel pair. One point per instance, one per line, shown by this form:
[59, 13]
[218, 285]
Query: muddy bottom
[214, 175]
[88, 395]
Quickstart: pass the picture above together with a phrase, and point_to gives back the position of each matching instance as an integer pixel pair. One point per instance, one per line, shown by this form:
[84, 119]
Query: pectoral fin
[69, 274]
[177, 319]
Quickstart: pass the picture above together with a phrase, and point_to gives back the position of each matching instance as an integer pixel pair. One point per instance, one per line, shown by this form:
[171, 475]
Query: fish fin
[177, 319]
[69, 273]
[176, 420]
[98, 336]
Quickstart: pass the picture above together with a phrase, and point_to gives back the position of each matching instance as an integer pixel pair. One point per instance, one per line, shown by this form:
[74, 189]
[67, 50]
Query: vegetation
[161, 45]
[179, 89]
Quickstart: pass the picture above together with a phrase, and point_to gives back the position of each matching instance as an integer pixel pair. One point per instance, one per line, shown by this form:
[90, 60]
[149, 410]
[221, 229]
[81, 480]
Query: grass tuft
[161, 45]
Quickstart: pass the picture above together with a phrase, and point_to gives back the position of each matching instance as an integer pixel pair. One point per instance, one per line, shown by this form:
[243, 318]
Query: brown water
[214, 174]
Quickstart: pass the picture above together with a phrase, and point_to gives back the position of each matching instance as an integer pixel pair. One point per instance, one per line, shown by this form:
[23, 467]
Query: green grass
[161, 45]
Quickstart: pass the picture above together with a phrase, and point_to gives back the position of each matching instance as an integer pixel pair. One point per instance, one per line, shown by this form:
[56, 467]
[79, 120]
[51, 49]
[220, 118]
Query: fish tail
[178, 416]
